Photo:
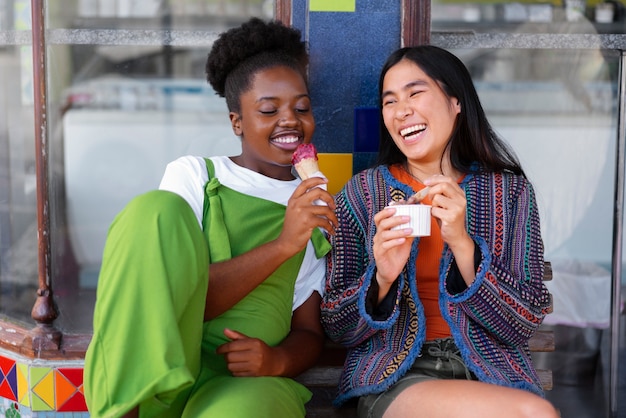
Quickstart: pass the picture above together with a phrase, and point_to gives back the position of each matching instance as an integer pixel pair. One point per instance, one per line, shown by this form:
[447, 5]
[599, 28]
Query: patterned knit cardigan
[491, 321]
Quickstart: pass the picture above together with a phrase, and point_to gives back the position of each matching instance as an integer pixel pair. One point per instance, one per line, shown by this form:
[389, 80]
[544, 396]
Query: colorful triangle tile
[8, 384]
[42, 388]
[22, 385]
[12, 379]
[6, 364]
[25, 401]
[6, 391]
[45, 389]
[39, 404]
[75, 404]
[74, 375]
[37, 373]
[64, 389]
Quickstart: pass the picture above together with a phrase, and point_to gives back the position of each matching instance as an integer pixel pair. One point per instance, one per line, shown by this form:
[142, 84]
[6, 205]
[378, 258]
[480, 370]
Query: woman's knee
[538, 407]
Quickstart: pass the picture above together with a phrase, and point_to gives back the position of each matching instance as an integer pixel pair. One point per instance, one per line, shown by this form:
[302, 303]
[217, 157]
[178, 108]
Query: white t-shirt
[187, 176]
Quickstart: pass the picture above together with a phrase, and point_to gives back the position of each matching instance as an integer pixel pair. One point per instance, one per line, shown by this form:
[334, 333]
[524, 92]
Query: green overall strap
[219, 242]
[219, 245]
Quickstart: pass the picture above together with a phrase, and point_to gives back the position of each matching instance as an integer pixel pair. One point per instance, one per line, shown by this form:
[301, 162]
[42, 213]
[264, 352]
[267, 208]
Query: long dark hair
[473, 140]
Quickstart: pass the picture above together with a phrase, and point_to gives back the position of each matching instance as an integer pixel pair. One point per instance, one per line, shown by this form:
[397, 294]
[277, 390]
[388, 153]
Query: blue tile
[366, 129]
[298, 15]
[363, 160]
[347, 51]
[372, 6]
[333, 132]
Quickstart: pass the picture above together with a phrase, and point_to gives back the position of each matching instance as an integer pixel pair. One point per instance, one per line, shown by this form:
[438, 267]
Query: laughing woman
[209, 293]
[437, 326]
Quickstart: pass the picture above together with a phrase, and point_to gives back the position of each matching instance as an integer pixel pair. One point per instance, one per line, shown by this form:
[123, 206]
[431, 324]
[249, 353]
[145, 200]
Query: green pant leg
[149, 309]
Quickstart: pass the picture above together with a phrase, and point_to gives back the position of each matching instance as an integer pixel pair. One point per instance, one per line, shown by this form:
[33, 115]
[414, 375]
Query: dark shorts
[440, 359]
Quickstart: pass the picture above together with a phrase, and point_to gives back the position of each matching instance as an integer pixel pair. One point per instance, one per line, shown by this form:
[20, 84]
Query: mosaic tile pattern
[347, 50]
[28, 389]
[8, 379]
[11, 409]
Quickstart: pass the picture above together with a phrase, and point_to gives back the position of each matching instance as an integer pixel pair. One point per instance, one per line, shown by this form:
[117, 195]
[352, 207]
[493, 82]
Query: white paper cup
[420, 218]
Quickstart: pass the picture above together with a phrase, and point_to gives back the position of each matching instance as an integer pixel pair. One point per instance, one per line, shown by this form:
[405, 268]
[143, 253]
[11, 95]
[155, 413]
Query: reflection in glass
[18, 223]
[124, 103]
[568, 16]
[155, 14]
[558, 109]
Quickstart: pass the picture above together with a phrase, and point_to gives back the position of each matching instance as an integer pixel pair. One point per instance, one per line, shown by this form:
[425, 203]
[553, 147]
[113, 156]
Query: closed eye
[388, 102]
[415, 93]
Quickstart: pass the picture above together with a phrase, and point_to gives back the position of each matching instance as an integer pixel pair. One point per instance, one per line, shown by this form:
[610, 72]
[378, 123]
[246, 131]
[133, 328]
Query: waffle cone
[306, 167]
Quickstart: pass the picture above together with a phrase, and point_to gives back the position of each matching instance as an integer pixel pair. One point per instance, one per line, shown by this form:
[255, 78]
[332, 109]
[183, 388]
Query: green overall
[150, 346]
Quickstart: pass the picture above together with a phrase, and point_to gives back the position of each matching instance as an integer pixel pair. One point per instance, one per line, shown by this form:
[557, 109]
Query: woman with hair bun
[209, 293]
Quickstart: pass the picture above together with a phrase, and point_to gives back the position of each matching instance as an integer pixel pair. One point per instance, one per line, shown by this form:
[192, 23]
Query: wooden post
[415, 16]
[282, 11]
[44, 336]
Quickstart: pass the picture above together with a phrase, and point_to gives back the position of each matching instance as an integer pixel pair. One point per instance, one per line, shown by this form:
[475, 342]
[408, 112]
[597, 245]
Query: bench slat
[328, 376]
[545, 377]
[542, 341]
[321, 376]
[547, 271]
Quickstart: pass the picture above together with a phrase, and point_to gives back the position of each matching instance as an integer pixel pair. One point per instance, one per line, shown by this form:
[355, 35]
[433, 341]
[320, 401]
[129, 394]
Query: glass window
[528, 16]
[558, 109]
[126, 94]
[18, 224]
[130, 99]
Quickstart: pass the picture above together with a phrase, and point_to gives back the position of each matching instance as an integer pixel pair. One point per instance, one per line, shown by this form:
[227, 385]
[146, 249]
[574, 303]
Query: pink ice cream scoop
[304, 159]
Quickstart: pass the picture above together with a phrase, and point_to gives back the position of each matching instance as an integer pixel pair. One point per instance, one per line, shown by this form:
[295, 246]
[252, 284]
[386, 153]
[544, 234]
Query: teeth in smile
[286, 139]
[412, 129]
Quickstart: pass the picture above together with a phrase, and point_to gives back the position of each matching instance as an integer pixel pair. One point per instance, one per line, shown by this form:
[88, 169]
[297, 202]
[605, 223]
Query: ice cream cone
[307, 167]
[304, 160]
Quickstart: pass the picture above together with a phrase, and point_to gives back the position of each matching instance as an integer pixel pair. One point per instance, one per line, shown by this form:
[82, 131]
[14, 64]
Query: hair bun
[251, 38]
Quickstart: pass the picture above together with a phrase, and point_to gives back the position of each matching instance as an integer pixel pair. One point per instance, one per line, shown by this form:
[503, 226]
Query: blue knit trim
[485, 263]
[416, 348]
[394, 182]
[461, 297]
[367, 282]
[391, 380]
[454, 329]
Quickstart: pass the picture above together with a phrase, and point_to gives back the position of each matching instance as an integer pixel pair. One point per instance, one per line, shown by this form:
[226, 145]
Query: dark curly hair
[241, 52]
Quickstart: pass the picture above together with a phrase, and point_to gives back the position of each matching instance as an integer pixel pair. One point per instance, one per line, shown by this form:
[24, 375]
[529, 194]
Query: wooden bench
[323, 379]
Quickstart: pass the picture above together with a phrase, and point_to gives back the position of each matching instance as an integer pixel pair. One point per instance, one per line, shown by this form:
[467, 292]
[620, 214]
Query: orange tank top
[427, 266]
